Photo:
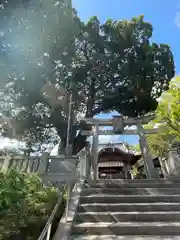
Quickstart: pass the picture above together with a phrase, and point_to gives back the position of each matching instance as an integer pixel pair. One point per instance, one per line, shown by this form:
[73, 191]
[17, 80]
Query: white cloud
[108, 138]
[131, 127]
[177, 17]
[105, 139]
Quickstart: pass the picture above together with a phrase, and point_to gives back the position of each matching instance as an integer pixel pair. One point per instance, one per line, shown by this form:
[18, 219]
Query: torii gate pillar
[95, 144]
[149, 168]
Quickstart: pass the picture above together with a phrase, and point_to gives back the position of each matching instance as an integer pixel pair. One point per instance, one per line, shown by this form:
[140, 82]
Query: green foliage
[140, 69]
[168, 120]
[159, 143]
[138, 167]
[25, 205]
[168, 111]
[135, 148]
[109, 66]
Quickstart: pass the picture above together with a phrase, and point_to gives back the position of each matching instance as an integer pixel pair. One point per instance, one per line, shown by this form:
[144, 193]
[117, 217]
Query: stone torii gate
[119, 123]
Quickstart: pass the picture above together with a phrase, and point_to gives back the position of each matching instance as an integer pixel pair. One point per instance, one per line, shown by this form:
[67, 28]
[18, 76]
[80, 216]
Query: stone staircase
[129, 209]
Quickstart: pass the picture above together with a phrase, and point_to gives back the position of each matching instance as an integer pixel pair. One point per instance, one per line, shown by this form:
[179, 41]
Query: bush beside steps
[25, 206]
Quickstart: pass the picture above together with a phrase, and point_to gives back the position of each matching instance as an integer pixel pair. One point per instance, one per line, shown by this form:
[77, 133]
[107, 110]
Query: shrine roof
[110, 151]
[120, 146]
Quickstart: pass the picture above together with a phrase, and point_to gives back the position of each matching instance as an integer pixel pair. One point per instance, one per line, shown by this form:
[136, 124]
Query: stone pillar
[6, 163]
[69, 150]
[88, 166]
[44, 160]
[163, 165]
[166, 166]
[84, 164]
[129, 171]
[132, 177]
[126, 171]
[95, 144]
[145, 165]
[173, 162]
[148, 163]
[92, 157]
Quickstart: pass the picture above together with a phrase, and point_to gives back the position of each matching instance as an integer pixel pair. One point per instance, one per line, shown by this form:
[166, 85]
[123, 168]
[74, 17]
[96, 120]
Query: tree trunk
[78, 142]
[90, 103]
[63, 136]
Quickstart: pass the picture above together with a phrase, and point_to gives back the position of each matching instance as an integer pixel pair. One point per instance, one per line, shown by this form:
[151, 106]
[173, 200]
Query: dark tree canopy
[140, 69]
[110, 66]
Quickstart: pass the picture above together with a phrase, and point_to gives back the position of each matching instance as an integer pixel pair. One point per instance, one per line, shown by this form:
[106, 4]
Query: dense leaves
[109, 66]
[167, 120]
[159, 144]
[140, 69]
[168, 111]
[25, 205]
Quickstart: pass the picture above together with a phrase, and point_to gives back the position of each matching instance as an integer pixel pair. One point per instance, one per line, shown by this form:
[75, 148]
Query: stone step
[136, 180]
[129, 207]
[132, 228]
[114, 237]
[123, 181]
[131, 191]
[135, 185]
[107, 198]
[128, 217]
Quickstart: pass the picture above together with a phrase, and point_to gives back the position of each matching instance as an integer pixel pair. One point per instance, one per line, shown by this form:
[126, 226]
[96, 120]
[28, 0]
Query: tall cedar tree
[110, 66]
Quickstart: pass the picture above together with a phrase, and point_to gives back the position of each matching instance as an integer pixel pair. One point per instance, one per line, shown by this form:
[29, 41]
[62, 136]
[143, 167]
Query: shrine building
[115, 161]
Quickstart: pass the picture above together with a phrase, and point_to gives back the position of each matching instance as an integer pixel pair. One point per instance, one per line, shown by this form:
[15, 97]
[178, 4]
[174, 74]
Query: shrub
[25, 205]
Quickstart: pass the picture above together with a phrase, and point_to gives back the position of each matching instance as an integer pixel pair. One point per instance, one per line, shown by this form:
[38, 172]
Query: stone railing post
[28, 163]
[44, 160]
[88, 165]
[173, 162]
[163, 167]
[166, 168]
[127, 169]
[6, 163]
[84, 164]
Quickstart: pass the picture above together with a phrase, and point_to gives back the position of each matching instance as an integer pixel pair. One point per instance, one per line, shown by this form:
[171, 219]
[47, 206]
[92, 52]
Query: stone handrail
[63, 169]
[45, 165]
[46, 233]
[38, 164]
[19, 162]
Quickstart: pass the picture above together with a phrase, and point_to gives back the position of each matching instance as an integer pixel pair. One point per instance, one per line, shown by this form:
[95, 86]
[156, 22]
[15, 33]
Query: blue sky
[131, 139]
[164, 15]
